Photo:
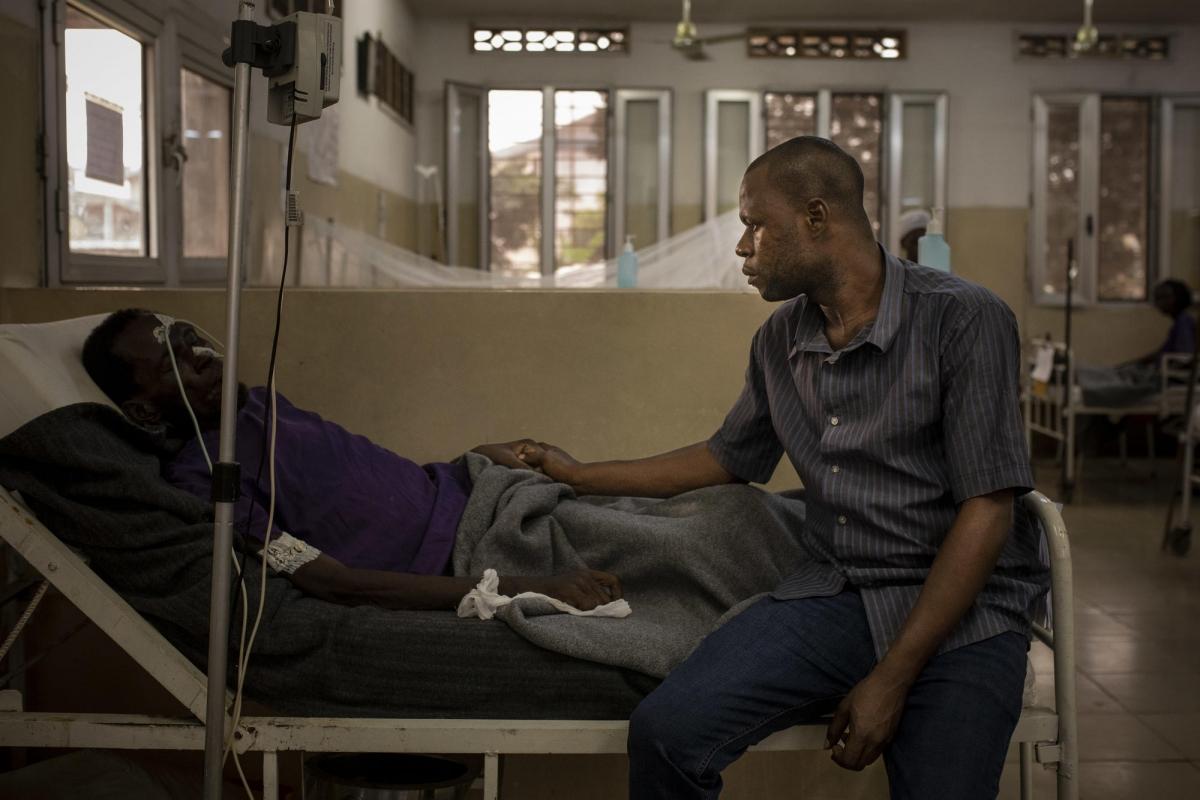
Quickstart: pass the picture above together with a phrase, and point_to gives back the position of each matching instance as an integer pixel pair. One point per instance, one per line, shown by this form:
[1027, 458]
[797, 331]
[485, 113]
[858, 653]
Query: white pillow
[41, 369]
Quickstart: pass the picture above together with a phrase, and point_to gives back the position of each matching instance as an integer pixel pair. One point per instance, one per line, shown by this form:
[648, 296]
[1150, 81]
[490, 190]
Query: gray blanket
[683, 562]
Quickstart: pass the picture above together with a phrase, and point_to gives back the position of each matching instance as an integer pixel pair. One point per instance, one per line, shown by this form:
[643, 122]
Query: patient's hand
[510, 454]
[582, 588]
[553, 461]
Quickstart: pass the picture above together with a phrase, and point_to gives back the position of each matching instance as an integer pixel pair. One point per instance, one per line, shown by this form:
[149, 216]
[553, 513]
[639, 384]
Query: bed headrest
[42, 369]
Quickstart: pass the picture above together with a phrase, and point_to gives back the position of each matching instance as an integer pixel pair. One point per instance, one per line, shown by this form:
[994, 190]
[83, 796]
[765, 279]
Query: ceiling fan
[1087, 36]
[688, 41]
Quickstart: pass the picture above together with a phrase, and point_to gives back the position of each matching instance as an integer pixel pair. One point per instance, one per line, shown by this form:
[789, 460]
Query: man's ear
[141, 412]
[816, 216]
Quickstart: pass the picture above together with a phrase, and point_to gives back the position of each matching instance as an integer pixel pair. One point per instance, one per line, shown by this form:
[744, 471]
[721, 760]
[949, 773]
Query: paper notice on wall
[1043, 364]
[105, 141]
[323, 147]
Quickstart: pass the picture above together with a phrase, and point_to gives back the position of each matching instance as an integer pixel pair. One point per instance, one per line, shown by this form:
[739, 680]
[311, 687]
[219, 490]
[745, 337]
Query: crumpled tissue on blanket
[484, 600]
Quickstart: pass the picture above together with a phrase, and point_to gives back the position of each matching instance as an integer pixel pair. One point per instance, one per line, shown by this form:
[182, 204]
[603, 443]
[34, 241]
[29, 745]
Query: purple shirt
[1182, 336]
[341, 493]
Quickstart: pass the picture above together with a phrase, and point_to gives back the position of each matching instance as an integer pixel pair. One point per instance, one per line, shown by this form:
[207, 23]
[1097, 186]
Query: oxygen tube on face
[162, 333]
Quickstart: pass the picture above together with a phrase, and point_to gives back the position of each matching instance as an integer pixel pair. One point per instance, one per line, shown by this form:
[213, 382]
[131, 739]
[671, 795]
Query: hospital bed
[42, 370]
[1053, 411]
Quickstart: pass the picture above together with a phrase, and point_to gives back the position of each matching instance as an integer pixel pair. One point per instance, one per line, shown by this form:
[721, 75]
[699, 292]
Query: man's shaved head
[802, 205]
[809, 167]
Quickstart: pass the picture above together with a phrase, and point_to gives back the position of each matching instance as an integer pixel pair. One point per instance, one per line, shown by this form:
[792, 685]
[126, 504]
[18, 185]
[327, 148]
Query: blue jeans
[784, 662]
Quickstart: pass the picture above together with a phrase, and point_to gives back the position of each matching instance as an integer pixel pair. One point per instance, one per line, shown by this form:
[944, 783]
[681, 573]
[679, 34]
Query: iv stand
[1068, 482]
[218, 620]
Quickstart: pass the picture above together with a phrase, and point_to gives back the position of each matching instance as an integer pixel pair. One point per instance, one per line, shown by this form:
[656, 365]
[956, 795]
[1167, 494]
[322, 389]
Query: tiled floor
[1138, 631]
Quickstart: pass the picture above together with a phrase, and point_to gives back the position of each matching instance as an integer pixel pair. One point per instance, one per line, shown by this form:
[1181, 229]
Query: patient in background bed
[1139, 380]
[354, 523]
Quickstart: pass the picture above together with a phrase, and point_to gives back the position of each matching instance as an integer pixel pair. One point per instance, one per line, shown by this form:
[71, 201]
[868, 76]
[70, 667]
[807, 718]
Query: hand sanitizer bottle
[627, 265]
[932, 249]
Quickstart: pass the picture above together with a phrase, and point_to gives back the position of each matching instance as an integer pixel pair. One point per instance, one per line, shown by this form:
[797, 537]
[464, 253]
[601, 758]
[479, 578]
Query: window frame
[173, 38]
[1085, 292]
[619, 155]
[451, 130]
[891, 147]
[195, 270]
[757, 136]
[548, 217]
[1167, 104]
[894, 157]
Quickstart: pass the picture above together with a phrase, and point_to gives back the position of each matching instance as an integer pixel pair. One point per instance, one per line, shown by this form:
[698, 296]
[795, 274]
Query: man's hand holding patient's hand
[553, 461]
[510, 454]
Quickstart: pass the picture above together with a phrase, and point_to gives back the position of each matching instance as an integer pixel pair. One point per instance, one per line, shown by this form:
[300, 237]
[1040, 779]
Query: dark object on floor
[375, 776]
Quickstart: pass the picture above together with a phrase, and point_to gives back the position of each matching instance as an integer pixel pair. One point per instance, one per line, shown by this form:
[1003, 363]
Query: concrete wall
[430, 374]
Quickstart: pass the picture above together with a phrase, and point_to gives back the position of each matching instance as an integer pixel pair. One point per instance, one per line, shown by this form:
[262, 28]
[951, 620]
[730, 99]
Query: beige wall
[430, 374]
[20, 186]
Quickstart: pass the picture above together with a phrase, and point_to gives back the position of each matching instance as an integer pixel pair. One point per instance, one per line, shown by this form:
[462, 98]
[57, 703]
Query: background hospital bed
[1054, 412]
[1045, 735]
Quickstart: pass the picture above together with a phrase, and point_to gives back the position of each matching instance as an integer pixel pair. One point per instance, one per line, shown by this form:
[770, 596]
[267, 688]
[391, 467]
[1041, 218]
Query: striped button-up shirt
[890, 435]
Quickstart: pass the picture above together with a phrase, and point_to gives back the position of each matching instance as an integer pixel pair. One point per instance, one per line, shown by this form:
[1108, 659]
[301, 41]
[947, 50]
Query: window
[916, 148]
[206, 107]
[137, 141]
[733, 137]
[1092, 186]
[386, 77]
[548, 169]
[1179, 190]
[789, 115]
[549, 40]
[515, 145]
[1123, 46]
[843, 44]
[642, 167]
[856, 126]
[105, 139]
[581, 177]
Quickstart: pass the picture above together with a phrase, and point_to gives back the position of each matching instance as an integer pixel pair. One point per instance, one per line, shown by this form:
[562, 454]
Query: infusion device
[314, 78]
[301, 56]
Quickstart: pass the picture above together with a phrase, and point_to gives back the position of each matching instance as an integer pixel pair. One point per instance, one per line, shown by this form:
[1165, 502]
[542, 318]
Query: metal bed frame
[1054, 412]
[1043, 735]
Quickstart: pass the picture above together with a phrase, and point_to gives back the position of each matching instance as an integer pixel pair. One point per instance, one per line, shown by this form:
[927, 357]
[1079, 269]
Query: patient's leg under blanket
[683, 562]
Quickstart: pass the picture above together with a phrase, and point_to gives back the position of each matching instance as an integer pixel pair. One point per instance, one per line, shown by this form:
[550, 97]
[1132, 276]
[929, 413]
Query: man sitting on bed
[363, 525]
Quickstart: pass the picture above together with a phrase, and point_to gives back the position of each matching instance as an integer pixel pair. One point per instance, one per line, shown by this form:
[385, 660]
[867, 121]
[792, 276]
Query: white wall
[990, 90]
[374, 144]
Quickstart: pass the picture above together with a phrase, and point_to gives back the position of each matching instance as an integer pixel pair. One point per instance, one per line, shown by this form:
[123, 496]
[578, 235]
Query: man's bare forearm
[328, 579]
[663, 475]
[961, 569]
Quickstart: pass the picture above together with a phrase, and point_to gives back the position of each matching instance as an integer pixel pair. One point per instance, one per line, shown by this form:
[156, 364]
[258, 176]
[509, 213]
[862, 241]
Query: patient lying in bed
[353, 523]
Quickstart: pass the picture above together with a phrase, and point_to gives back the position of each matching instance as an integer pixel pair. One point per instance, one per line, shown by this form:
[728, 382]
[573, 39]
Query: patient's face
[157, 388]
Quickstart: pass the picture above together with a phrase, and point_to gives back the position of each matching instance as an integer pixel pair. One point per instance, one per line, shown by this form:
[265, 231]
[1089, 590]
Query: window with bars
[1126, 46]
[550, 40]
[1093, 183]
[837, 44]
[383, 75]
[854, 120]
[137, 127]
[528, 202]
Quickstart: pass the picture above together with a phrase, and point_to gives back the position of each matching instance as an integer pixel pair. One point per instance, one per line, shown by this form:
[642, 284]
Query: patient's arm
[663, 475]
[329, 579]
